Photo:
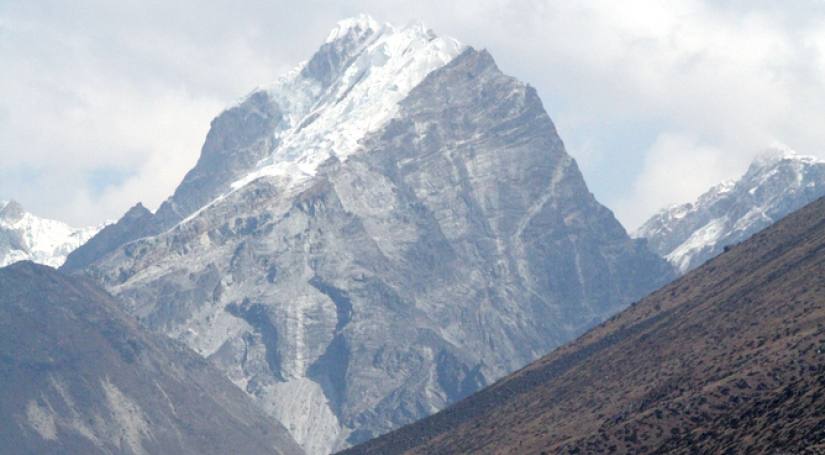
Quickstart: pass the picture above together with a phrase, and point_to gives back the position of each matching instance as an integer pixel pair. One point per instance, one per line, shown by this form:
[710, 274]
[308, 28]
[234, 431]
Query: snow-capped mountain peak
[777, 182]
[396, 198]
[24, 236]
[350, 88]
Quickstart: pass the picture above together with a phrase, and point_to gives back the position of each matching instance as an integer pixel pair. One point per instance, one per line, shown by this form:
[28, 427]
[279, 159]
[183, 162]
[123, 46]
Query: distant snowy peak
[775, 184]
[348, 89]
[24, 236]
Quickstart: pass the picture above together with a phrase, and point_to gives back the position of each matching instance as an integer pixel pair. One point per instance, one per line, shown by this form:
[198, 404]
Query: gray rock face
[79, 376]
[776, 184]
[459, 243]
[237, 140]
[136, 223]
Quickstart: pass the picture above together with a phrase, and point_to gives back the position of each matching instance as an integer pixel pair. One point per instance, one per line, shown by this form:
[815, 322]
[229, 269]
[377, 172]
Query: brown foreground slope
[728, 359]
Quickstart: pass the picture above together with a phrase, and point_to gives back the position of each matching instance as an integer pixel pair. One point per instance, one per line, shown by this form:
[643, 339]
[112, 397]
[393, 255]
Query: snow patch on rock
[41, 419]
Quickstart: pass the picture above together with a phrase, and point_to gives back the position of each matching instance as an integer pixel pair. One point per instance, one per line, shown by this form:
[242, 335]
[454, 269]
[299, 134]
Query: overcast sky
[104, 104]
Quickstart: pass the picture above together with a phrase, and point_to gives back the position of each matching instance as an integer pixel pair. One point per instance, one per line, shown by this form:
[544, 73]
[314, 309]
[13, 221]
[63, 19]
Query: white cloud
[676, 169]
[639, 89]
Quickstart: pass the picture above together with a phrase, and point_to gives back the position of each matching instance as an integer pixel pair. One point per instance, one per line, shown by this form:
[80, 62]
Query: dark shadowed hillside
[728, 359]
[78, 376]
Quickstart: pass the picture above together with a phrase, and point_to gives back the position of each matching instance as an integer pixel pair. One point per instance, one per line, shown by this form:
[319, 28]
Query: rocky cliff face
[415, 231]
[80, 376]
[26, 237]
[776, 184]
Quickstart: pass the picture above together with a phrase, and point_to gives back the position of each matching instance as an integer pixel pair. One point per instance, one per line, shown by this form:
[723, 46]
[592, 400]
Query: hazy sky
[104, 104]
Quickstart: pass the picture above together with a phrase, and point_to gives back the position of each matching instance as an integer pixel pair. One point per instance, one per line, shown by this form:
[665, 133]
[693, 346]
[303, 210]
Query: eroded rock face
[459, 243]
